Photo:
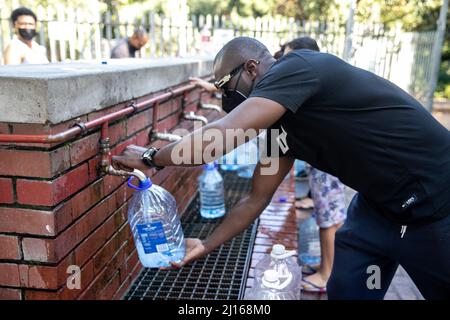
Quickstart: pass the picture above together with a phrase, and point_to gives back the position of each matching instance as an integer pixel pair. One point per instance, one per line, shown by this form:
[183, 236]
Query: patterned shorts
[328, 195]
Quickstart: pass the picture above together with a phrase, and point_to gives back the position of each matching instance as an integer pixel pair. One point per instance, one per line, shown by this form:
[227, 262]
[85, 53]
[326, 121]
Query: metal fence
[404, 58]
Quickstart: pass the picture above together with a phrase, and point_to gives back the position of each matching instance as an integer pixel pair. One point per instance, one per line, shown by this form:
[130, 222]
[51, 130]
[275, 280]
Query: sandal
[308, 286]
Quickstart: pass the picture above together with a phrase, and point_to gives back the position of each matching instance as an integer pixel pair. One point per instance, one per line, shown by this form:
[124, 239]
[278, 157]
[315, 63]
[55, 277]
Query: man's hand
[194, 250]
[208, 86]
[130, 159]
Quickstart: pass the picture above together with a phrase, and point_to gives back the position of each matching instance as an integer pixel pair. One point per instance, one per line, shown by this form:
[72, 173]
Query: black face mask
[231, 100]
[234, 97]
[27, 34]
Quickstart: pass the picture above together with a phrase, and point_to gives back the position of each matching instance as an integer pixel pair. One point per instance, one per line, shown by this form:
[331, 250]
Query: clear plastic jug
[154, 222]
[288, 271]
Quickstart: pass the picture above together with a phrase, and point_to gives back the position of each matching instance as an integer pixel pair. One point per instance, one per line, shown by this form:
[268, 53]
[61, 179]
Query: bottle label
[314, 248]
[152, 237]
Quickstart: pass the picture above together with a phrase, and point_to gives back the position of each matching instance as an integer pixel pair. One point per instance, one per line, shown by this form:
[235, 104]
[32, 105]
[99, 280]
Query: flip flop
[308, 286]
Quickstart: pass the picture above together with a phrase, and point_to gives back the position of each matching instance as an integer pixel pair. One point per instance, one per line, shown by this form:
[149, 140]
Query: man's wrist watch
[148, 156]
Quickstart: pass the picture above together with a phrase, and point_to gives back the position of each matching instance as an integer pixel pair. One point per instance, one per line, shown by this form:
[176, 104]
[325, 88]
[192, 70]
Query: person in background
[126, 48]
[328, 195]
[22, 49]
[277, 55]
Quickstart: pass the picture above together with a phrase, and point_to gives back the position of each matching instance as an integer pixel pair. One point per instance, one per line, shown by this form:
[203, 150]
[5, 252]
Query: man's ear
[251, 66]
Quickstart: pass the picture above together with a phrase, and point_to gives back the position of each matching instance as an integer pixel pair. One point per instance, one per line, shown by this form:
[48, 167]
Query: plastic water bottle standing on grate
[270, 287]
[155, 225]
[309, 242]
[247, 158]
[285, 264]
[212, 204]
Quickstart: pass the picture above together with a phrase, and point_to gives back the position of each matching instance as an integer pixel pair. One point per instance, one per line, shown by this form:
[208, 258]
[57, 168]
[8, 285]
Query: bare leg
[320, 278]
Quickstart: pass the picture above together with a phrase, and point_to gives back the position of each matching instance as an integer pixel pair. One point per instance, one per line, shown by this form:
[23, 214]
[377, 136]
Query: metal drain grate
[220, 275]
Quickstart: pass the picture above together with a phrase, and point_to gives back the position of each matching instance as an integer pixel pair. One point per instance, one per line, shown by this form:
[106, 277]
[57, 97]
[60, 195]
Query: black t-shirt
[364, 130]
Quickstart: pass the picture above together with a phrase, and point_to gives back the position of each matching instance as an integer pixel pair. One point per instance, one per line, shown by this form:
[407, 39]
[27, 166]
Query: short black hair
[241, 49]
[303, 43]
[277, 55]
[22, 11]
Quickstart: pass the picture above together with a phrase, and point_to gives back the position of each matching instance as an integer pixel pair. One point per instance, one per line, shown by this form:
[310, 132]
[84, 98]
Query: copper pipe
[81, 127]
[105, 148]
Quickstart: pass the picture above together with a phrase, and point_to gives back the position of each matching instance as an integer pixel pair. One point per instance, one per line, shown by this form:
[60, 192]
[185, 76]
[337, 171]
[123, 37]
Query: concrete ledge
[58, 92]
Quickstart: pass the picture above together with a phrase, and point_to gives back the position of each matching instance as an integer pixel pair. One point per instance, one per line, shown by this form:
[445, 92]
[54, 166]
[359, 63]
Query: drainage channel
[220, 275]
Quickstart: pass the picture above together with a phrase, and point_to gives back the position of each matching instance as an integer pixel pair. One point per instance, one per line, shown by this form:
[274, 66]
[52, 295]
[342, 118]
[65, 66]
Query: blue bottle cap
[283, 199]
[104, 62]
[143, 185]
[210, 166]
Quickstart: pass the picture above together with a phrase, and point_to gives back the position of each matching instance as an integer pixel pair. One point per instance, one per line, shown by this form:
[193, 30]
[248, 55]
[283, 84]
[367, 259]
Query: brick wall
[56, 210]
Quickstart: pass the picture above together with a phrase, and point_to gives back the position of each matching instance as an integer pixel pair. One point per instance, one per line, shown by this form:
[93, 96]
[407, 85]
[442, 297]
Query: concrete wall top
[58, 92]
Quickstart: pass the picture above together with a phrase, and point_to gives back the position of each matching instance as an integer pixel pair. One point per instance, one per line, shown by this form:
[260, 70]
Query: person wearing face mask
[127, 48]
[22, 49]
[350, 123]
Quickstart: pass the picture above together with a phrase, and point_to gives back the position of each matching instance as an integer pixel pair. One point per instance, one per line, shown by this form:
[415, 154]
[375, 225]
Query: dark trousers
[368, 245]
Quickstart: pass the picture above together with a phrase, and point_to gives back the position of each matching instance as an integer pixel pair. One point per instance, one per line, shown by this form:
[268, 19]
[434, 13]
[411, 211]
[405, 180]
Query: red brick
[169, 107]
[94, 168]
[85, 148]
[45, 277]
[52, 250]
[262, 248]
[123, 289]
[111, 183]
[42, 250]
[143, 138]
[168, 123]
[192, 96]
[6, 191]
[117, 132]
[9, 247]
[103, 278]
[27, 221]
[10, 294]
[89, 246]
[41, 164]
[139, 121]
[9, 275]
[50, 193]
[118, 149]
[108, 291]
[41, 295]
[85, 199]
[276, 223]
[105, 253]
[4, 128]
[92, 220]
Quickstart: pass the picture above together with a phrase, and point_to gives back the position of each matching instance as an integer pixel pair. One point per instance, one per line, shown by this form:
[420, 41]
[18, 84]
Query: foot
[306, 203]
[315, 283]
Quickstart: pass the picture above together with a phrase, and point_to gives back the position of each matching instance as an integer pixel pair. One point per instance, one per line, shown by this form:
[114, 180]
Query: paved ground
[402, 287]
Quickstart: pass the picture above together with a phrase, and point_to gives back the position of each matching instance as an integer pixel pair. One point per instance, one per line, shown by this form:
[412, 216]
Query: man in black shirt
[352, 124]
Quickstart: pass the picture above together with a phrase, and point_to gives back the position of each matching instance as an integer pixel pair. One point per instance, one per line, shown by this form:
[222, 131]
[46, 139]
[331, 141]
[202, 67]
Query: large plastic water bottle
[284, 263]
[155, 225]
[309, 242]
[270, 287]
[212, 204]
